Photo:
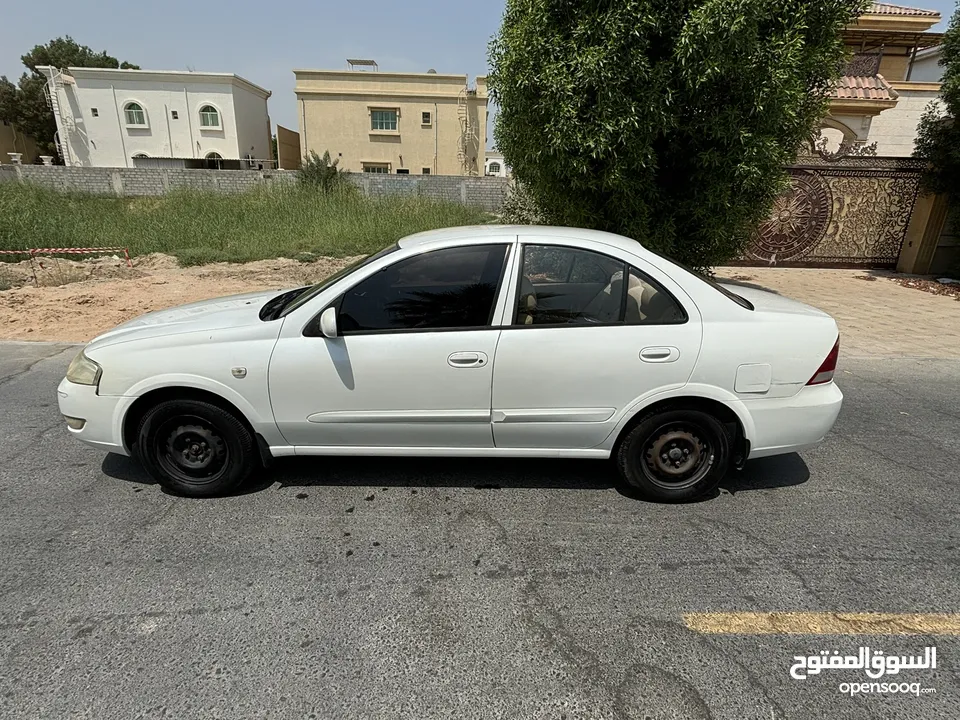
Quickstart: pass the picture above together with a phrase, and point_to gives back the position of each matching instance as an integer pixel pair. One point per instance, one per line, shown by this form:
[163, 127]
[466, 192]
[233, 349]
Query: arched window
[214, 156]
[494, 168]
[141, 155]
[209, 117]
[134, 114]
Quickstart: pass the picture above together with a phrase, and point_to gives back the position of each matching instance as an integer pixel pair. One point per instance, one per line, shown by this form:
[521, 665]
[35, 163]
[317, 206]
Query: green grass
[200, 227]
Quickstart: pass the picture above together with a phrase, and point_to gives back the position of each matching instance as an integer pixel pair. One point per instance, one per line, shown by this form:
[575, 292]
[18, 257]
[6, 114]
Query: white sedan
[480, 341]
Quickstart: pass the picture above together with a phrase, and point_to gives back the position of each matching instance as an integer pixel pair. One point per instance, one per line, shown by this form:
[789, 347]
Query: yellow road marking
[814, 623]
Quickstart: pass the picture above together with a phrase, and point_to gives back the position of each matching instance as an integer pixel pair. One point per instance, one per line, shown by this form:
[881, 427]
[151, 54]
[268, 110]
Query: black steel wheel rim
[191, 449]
[676, 456]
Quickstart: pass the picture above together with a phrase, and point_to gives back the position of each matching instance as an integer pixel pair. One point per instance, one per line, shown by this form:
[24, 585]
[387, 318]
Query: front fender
[262, 423]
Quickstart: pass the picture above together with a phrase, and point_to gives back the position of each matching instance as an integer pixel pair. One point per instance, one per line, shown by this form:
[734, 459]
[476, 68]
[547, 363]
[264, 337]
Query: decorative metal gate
[849, 212]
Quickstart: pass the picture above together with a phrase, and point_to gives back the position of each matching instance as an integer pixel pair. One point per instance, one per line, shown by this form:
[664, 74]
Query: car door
[411, 364]
[567, 369]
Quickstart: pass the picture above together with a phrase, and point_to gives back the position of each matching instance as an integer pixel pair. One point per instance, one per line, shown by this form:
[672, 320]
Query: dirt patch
[77, 300]
[930, 286]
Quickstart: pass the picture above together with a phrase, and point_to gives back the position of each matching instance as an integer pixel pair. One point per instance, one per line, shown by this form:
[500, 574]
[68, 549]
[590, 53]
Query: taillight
[825, 372]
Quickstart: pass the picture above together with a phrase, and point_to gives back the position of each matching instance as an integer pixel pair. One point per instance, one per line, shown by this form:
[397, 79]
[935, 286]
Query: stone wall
[484, 192]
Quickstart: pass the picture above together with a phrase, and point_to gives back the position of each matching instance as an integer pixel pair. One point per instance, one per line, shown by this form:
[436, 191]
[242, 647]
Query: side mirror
[328, 322]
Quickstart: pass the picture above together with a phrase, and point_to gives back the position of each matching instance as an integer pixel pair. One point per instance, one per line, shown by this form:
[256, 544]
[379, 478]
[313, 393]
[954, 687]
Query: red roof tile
[853, 87]
[888, 9]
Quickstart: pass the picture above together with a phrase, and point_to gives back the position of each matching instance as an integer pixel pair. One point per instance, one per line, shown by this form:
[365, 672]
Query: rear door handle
[660, 354]
[467, 359]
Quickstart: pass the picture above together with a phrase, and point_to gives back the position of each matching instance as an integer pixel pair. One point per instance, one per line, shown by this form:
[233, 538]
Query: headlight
[83, 370]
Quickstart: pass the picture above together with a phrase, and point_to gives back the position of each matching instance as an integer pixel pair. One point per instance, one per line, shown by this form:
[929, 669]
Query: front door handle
[467, 359]
[660, 354]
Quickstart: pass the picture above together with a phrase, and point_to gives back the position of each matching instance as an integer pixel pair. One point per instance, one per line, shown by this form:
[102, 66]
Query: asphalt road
[351, 588]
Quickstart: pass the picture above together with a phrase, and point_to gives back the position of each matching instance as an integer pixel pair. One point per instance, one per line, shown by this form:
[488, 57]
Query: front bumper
[785, 425]
[102, 416]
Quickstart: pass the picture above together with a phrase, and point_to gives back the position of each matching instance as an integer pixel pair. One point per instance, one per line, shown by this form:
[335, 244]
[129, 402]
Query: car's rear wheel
[674, 455]
[195, 448]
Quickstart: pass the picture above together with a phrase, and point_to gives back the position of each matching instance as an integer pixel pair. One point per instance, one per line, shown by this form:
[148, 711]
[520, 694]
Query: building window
[141, 155]
[94, 112]
[426, 118]
[380, 168]
[174, 114]
[134, 114]
[426, 171]
[403, 171]
[494, 168]
[383, 120]
[209, 117]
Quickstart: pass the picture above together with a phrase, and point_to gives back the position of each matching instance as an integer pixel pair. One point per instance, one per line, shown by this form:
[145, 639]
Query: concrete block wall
[483, 192]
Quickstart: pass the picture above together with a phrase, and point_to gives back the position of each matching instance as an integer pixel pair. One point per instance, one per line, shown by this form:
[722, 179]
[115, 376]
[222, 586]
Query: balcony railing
[864, 64]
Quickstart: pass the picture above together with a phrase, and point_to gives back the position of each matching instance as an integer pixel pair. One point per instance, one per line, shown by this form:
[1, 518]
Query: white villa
[159, 118]
[495, 165]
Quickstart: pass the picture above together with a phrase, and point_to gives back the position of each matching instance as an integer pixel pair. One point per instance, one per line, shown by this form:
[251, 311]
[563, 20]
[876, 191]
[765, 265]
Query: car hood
[766, 301]
[220, 313]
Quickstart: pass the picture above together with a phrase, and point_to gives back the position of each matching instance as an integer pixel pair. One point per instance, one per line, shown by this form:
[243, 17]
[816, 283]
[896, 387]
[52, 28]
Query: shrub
[322, 174]
[520, 208]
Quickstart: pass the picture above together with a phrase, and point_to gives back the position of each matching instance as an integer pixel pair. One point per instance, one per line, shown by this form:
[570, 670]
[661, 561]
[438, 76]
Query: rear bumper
[102, 415]
[785, 425]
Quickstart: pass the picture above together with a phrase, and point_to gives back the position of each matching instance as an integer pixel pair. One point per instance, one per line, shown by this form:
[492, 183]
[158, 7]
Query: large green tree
[938, 137]
[24, 104]
[669, 121]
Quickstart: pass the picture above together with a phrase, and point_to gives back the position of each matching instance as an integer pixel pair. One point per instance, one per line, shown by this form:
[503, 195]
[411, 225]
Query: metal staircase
[63, 116]
[469, 138]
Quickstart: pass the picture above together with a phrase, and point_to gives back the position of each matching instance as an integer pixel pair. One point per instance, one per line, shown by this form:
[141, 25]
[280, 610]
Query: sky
[264, 41]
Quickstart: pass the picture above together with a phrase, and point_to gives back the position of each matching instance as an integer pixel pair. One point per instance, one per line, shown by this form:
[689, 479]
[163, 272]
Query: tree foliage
[24, 104]
[938, 136]
[669, 121]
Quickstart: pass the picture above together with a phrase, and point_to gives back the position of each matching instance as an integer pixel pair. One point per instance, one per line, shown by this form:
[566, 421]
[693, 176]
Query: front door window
[453, 288]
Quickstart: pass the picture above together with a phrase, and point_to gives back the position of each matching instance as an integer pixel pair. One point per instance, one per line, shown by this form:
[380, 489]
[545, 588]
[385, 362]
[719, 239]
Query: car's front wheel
[674, 455]
[195, 448]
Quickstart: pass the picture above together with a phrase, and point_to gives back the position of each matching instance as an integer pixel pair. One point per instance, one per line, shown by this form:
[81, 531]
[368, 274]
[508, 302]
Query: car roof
[483, 232]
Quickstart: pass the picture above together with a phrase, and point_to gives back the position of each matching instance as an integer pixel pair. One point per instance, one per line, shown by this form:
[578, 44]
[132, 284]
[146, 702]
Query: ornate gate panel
[851, 212]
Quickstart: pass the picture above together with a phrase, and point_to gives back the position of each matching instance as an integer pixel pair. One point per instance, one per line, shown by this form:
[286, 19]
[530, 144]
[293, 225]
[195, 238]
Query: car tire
[674, 455]
[196, 449]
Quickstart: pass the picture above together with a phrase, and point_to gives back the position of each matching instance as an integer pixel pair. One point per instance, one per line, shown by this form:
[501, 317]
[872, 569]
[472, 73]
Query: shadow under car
[481, 473]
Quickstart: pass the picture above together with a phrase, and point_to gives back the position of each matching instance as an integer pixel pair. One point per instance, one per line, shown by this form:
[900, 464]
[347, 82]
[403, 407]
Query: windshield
[303, 297]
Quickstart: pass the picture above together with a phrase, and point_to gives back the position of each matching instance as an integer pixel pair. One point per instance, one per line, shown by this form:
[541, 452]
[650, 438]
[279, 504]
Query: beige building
[395, 123]
[288, 149]
[890, 79]
[13, 141]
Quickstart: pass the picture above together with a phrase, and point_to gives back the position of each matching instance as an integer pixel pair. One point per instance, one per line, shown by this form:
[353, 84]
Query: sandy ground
[77, 300]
